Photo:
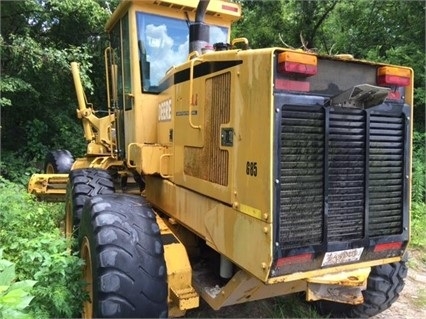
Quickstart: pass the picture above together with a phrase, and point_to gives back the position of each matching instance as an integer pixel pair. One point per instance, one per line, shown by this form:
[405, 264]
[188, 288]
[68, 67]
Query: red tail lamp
[297, 63]
[393, 76]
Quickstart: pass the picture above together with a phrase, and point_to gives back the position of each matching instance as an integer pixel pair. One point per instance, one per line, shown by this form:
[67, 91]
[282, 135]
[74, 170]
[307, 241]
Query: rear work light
[392, 76]
[297, 63]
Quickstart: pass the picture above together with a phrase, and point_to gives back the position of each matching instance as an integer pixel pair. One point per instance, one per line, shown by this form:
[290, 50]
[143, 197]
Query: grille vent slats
[301, 162]
[345, 128]
[386, 174]
[353, 147]
[210, 162]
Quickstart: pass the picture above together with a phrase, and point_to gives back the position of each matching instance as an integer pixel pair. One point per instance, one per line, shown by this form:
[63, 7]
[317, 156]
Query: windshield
[164, 42]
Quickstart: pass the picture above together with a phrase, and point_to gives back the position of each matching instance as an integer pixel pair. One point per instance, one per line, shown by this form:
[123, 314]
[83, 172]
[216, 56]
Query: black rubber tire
[58, 162]
[383, 287]
[83, 184]
[127, 268]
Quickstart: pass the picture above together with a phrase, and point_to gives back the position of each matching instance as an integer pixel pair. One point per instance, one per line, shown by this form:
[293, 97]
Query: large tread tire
[58, 162]
[121, 244]
[83, 184]
[383, 288]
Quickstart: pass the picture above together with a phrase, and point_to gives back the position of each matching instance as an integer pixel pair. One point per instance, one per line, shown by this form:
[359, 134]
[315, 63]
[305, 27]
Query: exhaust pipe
[199, 31]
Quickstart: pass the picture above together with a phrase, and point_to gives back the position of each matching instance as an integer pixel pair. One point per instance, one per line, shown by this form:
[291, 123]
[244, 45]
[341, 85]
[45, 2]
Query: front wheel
[58, 162]
[83, 184]
[383, 287]
[125, 269]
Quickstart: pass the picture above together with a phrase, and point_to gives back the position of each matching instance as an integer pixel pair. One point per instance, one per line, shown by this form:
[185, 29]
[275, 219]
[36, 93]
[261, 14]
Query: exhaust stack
[199, 31]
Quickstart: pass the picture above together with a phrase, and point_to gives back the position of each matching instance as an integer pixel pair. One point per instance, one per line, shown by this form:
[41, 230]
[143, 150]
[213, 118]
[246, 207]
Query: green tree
[38, 41]
[386, 31]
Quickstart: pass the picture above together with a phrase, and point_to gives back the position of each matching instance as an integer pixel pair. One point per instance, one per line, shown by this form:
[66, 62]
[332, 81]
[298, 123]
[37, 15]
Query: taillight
[395, 78]
[388, 246]
[297, 259]
[297, 63]
[293, 69]
[392, 76]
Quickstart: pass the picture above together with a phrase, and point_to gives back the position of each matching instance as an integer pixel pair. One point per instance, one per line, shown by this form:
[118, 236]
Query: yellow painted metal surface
[336, 269]
[243, 239]
[345, 286]
[49, 187]
[243, 288]
[356, 277]
[98, 131]
[150, 159]
[220, 10]
[247, 172]
[182, 296]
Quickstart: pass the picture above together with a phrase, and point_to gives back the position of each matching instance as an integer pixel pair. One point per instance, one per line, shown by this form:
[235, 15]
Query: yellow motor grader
[235, 174]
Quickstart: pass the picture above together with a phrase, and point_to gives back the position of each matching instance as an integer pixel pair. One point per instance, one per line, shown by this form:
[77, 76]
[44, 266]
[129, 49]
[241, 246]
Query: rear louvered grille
[302, 162]
[328, 159]
[386, 174]
[346, 170]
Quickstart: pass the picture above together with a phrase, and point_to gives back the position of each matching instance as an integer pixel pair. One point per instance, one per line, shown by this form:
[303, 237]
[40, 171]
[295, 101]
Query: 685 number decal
[251, 168]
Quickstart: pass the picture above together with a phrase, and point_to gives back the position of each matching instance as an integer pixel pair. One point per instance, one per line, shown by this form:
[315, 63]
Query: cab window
[164, 42]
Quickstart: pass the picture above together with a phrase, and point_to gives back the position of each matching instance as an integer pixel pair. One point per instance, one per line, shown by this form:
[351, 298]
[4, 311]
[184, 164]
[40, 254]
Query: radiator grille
[302, 162]
[336, 166]
[210, 162]
[346, 171]
[386, 173]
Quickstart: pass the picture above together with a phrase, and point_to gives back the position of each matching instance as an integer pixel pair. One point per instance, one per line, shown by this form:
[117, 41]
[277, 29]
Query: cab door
[119, 68]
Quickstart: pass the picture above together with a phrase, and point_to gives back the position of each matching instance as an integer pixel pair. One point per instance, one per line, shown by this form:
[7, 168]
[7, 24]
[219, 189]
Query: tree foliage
[38, 41]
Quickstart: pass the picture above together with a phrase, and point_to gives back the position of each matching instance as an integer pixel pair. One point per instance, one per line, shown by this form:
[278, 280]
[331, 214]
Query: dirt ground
[410, 304]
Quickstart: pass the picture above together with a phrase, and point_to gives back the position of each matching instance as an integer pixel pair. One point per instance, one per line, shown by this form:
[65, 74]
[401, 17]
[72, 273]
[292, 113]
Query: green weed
[293, 306]
[31, 238]
[14, 296]
[418, 225]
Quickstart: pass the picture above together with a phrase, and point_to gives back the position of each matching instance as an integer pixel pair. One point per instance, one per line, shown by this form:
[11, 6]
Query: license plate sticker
[342, 256]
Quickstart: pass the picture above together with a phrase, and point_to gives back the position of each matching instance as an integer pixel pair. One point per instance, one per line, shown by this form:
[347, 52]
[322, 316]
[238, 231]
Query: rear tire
[120, 242]
[58, 162]
[83, 184]
[383, 287]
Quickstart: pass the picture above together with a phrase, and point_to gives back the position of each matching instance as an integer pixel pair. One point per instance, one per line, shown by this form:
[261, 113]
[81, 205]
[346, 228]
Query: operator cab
[148, 38]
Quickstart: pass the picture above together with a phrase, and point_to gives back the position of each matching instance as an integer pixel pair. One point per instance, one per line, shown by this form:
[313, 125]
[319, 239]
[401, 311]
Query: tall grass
[31, 238]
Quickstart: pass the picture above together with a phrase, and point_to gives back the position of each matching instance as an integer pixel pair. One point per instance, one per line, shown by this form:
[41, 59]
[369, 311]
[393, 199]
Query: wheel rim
[87, 276]
[50, 169]
[68, 220]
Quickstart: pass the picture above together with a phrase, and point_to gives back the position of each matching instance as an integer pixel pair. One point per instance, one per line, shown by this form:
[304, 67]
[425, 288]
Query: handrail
[107, 50]
[240, 40]
[161, 165]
